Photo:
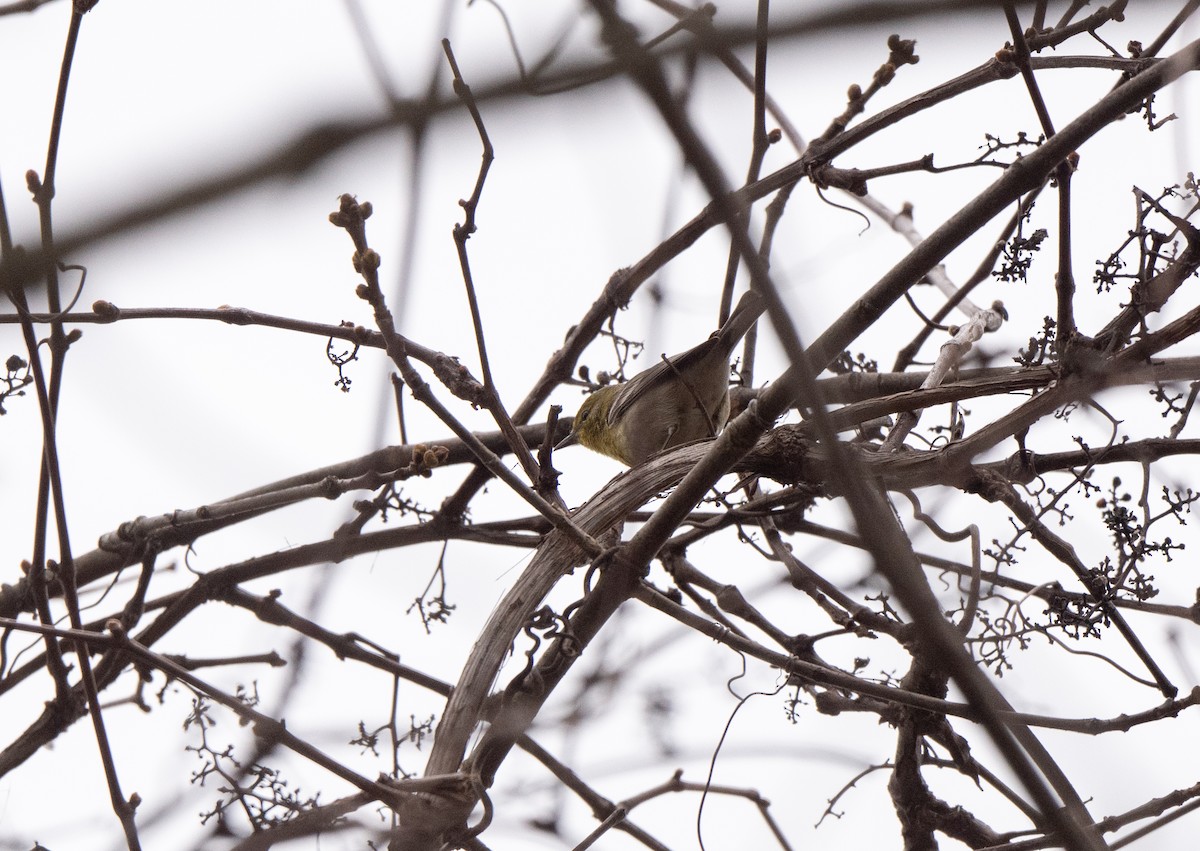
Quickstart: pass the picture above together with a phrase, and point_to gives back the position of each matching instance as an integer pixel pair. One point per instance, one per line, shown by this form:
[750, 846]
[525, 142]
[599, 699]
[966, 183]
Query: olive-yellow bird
[680, 399]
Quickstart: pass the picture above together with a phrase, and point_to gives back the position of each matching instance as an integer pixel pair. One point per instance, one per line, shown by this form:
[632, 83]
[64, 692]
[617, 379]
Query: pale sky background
[163, 415]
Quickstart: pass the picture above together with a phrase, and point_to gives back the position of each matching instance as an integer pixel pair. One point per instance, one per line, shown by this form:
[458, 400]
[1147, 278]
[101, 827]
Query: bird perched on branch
[680, 399]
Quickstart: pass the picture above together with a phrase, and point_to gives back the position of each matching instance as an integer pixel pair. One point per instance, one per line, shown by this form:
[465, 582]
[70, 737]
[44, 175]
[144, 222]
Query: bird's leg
[667, 440]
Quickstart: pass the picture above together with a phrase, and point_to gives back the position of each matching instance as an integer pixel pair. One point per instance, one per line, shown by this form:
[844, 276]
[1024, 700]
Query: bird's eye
[583, 415]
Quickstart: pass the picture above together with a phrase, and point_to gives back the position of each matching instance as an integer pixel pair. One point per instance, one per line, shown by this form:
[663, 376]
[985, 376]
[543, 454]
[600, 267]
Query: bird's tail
[749, 307]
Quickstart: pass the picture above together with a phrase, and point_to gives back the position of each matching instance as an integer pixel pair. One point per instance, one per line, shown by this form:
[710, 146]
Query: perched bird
[680, 399]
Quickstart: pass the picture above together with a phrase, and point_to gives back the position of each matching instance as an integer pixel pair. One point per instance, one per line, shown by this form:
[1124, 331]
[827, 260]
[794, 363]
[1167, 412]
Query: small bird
[680, 399]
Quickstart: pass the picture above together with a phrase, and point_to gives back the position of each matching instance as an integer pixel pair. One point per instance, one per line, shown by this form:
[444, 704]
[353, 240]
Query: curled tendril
[552, 626]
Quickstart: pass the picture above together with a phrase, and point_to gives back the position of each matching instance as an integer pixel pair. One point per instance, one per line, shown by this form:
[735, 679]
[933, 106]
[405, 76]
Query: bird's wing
[656, 376]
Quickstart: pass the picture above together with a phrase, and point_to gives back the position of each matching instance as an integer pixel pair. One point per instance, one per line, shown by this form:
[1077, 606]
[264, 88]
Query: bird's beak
[570, 440]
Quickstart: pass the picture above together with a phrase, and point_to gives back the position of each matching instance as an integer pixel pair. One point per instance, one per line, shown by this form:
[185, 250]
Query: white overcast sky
[163, 415]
